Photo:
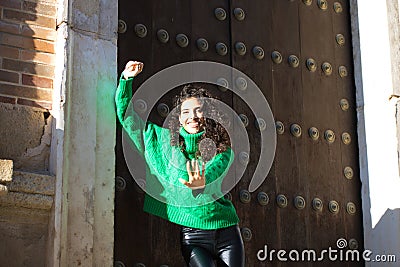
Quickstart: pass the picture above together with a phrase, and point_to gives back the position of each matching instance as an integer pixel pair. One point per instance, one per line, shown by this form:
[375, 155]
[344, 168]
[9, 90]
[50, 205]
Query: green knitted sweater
[165, 195]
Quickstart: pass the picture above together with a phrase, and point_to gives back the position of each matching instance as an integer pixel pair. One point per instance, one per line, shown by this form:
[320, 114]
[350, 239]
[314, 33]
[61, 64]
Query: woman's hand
[197, 179]
[132, 68]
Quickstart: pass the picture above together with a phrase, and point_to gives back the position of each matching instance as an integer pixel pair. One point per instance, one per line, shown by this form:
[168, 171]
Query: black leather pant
[209, 248]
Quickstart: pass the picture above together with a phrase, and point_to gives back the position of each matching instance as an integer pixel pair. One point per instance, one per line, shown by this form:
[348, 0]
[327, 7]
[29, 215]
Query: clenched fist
[132, 68]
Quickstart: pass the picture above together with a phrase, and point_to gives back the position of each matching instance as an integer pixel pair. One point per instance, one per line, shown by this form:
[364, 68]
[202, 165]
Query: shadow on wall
[27, 34]
[383, 241]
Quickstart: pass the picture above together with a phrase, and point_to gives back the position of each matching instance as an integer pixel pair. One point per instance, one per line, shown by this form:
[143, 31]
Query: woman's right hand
[197, 178]
[132, 68]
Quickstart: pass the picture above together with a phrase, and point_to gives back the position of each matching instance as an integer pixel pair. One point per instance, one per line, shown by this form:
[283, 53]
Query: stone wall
[27, 41]
[25, 137]
[27, 62]
[25, 203]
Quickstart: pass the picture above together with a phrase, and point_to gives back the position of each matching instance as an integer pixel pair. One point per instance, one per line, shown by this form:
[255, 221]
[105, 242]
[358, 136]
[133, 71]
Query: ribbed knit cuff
[184, 216]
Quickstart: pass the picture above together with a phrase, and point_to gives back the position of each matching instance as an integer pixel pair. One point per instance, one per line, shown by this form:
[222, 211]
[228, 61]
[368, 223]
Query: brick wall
[27, 36]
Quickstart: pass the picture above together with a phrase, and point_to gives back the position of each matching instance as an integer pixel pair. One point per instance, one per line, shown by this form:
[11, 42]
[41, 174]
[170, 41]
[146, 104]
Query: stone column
[84, 135]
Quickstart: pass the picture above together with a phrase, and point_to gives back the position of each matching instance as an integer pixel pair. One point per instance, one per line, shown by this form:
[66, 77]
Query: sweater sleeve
[219, 166]
[129, 119]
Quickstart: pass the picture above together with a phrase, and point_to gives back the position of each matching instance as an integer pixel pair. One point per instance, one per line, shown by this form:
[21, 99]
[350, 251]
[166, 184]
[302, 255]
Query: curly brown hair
[218, 138]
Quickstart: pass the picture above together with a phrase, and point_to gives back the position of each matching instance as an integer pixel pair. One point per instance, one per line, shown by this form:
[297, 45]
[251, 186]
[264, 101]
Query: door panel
[254, 30]
[304, 169]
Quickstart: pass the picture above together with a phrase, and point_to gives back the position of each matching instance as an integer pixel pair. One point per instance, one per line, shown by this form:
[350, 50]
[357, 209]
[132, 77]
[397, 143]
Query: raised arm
[129, 119]
[124, 91]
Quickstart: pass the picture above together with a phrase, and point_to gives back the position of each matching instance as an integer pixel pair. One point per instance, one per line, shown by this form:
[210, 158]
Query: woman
[187, 178]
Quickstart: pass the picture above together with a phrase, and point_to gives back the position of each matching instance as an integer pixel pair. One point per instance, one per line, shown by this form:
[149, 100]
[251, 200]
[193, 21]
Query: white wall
[377, 124]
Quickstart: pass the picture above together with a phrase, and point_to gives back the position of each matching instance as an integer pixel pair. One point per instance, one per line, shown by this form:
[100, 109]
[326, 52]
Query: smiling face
[191, 115]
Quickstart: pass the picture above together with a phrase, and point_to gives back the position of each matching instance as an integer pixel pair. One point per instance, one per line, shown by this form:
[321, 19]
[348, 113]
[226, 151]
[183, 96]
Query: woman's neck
[190, 140]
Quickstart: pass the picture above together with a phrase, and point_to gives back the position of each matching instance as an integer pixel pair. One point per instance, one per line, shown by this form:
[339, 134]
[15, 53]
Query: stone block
[23, 244]
[85, 15]
[3, 190]
[6, 171]
[22, 124]
[33, 183]
[32, 130]
[24, 200]
[23, 215]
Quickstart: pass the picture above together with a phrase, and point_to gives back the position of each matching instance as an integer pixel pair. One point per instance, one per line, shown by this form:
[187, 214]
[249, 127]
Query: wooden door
[311, 197]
